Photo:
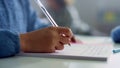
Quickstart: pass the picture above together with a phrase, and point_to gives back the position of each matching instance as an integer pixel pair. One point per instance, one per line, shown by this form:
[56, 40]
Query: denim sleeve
[115, 34]
[9, 44]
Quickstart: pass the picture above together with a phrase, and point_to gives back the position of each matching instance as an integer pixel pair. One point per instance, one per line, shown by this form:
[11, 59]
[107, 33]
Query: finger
[65, 40]
[66, 31]
[60, 46]
[62, 30]
[73, 40]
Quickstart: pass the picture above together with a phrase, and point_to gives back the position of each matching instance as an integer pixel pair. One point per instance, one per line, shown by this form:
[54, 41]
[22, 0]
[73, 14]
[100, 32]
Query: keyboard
[100, 52]
[90, 51]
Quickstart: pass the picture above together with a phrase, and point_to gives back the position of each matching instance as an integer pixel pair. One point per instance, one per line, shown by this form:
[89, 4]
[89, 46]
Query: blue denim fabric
[115, 34]
[16, 17]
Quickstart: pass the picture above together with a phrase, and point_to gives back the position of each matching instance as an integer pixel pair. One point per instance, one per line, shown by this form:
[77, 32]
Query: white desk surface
[37, 62]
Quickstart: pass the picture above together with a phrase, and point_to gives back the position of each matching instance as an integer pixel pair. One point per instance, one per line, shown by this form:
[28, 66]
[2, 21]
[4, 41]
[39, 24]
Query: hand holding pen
[48, 16]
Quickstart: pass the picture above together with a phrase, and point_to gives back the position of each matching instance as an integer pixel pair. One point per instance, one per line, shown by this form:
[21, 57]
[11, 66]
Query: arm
[115, 34]
[34, 41]
[9, 43]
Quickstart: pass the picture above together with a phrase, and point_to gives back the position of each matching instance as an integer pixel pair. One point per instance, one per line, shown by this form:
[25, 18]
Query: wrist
[23, 39]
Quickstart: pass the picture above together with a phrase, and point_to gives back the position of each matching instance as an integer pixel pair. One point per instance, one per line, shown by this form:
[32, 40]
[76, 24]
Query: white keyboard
[94, 50]
[77, 51]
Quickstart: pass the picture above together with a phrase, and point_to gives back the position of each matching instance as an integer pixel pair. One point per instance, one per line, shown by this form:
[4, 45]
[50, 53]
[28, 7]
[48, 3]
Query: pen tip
[69, 44]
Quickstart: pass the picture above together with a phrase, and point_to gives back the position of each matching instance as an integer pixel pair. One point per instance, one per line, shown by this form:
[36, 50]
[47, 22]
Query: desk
[37, 62]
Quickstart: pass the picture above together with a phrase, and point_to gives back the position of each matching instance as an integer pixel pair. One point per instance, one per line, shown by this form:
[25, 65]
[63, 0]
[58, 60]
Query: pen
[116, 50]
[48, 15]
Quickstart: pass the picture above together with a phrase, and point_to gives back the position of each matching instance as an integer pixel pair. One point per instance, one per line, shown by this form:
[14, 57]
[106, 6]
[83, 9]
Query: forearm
[23, 42]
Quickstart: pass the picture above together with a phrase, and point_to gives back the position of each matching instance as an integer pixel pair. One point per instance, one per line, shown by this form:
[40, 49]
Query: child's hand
[45, 40]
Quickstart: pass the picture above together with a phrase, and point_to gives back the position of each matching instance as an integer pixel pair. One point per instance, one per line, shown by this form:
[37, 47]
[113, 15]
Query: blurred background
[85, 17]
